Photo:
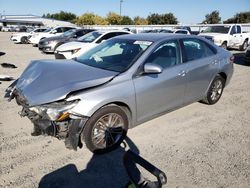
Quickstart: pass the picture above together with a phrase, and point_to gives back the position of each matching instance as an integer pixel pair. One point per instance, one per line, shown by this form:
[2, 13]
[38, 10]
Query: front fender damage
[68, 130]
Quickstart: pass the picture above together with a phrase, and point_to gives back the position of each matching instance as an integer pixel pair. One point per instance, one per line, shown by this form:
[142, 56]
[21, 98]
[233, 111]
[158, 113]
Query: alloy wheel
[107, 130]
[217, 89]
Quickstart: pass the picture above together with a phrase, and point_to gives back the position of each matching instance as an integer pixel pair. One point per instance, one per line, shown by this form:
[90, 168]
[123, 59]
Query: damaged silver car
[95, 98]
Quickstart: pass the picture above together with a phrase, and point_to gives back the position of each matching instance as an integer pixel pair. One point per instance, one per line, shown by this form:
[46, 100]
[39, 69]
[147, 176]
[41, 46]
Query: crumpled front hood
[45, 81]
[71, 46]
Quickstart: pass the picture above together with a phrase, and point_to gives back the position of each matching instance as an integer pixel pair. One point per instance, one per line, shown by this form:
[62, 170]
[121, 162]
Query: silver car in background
[119, 84]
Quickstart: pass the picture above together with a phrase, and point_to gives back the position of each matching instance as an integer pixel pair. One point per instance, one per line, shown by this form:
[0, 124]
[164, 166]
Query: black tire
[224, 45]
[243, 47]
[111, 138]
[24, 40]
[213, 95]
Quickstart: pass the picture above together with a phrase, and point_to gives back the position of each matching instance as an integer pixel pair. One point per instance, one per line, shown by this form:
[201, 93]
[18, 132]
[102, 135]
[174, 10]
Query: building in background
[31, 20]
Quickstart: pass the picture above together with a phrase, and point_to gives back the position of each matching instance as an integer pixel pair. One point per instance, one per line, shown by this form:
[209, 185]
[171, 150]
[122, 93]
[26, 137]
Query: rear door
[156, 93]
[202, 65]
[239, 39]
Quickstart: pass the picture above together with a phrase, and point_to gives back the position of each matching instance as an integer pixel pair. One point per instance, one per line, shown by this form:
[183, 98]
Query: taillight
[231, 59]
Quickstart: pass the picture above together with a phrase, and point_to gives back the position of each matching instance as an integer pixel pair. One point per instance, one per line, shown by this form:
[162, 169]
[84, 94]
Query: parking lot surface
[196, 146]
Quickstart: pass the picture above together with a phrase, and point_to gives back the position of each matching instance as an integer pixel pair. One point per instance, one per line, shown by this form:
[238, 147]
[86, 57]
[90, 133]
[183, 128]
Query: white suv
[34, 40]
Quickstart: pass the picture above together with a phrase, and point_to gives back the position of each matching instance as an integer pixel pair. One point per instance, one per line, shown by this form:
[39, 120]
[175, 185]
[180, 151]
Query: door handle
[182, 73]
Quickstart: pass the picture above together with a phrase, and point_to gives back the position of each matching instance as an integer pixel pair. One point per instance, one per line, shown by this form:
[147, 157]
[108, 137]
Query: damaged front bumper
[53, 119]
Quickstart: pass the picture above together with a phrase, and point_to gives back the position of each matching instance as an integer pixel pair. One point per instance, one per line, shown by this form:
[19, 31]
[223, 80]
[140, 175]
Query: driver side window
[166, 55]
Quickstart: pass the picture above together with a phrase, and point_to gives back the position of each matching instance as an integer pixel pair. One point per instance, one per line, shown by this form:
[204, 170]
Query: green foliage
[90, 19]
[126, 20]
[64, 16]
[243, 17]
[212, 18]
[161, 19]
[140, 21]
[113, 18]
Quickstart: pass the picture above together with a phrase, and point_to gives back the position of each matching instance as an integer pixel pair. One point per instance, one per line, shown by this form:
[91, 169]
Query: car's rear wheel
[215, 90]
[106, 129]
[24, 40]
[244, 45]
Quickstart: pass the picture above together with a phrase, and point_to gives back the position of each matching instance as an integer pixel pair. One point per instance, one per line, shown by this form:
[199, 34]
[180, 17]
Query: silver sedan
[119, 84]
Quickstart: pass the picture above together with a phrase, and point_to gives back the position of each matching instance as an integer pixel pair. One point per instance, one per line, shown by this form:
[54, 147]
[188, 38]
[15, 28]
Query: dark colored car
[48, 45]
[247, 55]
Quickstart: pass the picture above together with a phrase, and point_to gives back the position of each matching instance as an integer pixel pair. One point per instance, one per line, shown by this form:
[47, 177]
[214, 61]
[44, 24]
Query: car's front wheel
[215, 90]
[106, 129]
[24, 40]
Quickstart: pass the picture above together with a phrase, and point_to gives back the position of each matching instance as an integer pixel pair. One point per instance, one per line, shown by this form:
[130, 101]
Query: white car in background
[227, 36]
[34, 40]
[75, 48]
[23, 37]
[182, 31]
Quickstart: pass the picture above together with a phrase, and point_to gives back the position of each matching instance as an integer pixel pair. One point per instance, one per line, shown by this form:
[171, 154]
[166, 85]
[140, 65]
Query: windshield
[69, 32]
[115, 54]
[48, 30]
[90, 37]
[217, 29]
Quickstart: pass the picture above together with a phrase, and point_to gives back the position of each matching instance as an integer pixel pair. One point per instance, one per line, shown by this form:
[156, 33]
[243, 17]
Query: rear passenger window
[238, 29]
[196, 49]
[166, 55]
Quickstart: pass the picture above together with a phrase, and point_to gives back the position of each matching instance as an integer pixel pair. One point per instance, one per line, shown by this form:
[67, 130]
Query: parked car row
[70, 42]
[16, 28]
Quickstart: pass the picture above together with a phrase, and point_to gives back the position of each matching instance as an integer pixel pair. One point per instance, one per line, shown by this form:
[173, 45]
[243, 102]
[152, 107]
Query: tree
[160, 19]
[212, 18]
[86, 19]
[113, 18]
[126, 20]
[90, 19]
[64, 16]
[98, 20]
[169, 18]
[242, 17]
[154, 19]
[140, 21]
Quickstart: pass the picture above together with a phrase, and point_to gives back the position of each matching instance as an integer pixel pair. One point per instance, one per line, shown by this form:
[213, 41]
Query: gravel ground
[196, 146]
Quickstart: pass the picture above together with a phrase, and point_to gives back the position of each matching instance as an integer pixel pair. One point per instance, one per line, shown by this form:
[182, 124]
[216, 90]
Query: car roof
[153, 37]
[111, 31]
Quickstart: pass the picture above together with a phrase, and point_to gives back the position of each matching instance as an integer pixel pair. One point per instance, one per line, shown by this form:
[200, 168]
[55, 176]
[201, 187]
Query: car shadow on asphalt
[102, 171]
[239, 59]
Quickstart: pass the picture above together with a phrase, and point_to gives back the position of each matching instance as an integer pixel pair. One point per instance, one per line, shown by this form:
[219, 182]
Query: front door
[156, 93]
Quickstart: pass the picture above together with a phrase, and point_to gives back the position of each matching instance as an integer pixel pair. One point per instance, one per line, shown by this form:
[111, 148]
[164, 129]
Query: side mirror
[150, 68]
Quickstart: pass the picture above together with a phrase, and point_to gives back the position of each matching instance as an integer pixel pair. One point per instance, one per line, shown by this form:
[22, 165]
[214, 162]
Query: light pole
[121, 1]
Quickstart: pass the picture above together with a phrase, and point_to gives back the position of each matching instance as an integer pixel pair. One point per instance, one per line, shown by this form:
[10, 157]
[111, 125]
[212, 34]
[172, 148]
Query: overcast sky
[186, 11]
